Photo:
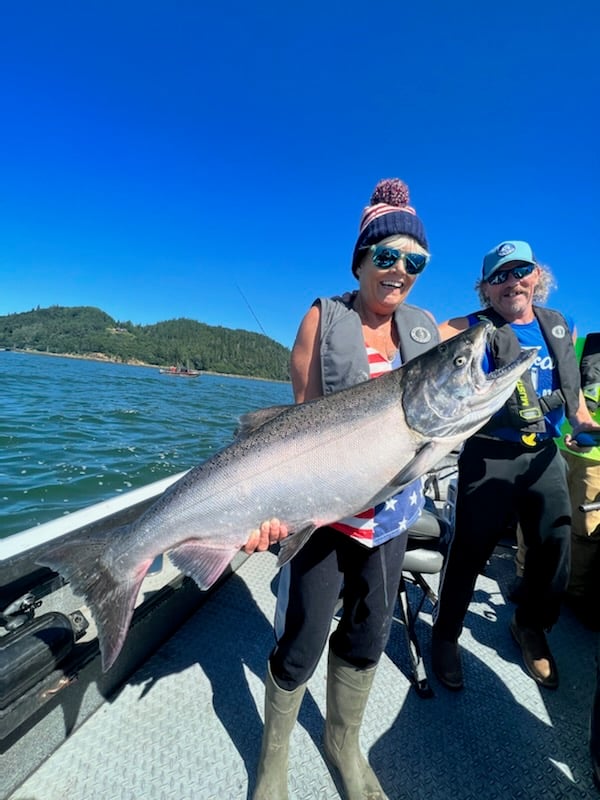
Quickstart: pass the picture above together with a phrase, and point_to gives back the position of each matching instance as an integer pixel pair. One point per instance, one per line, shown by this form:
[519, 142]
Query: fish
[308, 464]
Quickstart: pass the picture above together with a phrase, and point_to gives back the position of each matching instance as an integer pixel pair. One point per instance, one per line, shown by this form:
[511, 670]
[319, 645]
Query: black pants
[499, 482]
[309, 589]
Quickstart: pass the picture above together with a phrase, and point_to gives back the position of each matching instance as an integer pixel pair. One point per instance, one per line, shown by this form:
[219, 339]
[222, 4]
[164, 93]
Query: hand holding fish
[270, 532]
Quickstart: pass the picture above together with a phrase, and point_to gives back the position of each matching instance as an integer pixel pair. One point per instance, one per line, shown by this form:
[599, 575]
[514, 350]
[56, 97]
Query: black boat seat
[425, 551]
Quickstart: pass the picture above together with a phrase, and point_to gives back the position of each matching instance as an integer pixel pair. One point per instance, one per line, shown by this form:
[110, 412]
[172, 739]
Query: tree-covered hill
[88, 331]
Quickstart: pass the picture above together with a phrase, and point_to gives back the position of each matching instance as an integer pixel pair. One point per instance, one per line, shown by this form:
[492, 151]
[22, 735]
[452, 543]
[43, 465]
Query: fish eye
[460, 361]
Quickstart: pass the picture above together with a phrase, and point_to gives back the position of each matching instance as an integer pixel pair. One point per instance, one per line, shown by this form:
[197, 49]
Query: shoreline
[102, 357]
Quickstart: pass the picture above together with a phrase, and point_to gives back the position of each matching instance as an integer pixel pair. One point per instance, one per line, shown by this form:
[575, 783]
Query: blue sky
[211, 161]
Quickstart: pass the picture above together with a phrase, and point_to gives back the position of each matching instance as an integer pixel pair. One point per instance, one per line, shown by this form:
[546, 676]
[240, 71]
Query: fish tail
[85, 563]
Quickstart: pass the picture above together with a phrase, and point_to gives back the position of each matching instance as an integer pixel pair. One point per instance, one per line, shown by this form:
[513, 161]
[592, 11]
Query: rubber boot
[348, 690]
[281, 712]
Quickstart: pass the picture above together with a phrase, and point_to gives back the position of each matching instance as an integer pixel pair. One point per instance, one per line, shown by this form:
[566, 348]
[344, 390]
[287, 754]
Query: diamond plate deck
[187, 725]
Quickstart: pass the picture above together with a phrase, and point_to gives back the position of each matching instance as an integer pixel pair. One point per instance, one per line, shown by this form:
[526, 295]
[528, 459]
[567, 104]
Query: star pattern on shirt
[397, 513]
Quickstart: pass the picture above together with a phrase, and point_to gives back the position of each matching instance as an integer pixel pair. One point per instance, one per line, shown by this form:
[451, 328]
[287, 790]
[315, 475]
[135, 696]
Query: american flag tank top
[376, 525]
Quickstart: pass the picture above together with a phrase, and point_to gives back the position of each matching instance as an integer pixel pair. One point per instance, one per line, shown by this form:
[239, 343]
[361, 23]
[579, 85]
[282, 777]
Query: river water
[75, 432]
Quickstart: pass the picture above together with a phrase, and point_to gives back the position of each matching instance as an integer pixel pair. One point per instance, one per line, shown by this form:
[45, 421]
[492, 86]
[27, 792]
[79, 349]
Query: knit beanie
[388, 214]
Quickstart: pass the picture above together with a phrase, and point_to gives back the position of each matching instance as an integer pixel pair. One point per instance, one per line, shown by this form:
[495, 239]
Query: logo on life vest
[559, 332]
[420, 334]
[528, 439]
[522, 394]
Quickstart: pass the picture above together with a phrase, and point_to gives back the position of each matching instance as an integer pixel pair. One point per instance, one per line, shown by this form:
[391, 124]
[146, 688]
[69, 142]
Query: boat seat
[428, 540]
[425, 552]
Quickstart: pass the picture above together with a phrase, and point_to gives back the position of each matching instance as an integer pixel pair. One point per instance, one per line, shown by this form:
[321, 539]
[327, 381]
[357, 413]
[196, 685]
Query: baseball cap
[503, 253]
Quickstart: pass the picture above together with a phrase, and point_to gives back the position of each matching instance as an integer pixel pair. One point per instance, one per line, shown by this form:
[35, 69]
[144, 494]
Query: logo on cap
[505, 249]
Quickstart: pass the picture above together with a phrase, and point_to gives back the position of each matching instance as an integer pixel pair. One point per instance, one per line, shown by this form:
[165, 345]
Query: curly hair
[541, 292]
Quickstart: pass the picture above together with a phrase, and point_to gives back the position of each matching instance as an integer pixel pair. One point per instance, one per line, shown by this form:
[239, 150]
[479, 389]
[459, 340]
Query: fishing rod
[245, 299]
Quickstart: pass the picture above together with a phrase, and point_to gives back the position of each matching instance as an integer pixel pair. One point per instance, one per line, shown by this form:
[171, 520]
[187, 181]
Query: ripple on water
[75, 432]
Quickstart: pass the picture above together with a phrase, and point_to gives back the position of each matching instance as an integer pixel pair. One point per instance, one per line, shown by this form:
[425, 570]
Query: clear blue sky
[211, 160]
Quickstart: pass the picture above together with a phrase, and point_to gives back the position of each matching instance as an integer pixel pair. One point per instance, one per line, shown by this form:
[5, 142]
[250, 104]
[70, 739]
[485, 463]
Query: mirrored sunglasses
[519, 272]
[386, 257]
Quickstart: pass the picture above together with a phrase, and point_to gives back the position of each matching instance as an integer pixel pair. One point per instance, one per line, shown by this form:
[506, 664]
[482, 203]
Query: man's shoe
[535, 650]
[446, 662]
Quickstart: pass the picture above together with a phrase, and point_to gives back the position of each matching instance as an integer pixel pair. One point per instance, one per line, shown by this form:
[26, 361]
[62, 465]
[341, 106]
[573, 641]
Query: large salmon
[308, 465]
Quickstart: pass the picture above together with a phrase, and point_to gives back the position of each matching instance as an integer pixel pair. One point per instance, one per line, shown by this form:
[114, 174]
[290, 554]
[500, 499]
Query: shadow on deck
[187, 724]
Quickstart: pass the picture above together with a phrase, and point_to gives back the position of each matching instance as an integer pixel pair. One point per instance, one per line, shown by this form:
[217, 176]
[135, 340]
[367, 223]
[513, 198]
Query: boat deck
[187, 724]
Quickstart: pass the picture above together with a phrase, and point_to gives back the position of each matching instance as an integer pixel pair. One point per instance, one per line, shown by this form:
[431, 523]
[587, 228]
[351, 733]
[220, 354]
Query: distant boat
[180, 372]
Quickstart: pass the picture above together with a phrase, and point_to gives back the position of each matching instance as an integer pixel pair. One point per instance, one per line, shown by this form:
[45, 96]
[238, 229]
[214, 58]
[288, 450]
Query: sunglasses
[386, 257]
[517, 272]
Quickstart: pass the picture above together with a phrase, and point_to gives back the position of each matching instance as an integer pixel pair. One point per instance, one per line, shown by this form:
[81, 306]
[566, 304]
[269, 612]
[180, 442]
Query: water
[75, 432]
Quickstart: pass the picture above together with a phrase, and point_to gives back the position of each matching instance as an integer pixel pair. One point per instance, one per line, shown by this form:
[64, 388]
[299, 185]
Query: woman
[340, 342]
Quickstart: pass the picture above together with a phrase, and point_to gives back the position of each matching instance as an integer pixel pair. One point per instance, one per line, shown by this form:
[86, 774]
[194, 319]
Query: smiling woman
[342, 342]
[386, 273]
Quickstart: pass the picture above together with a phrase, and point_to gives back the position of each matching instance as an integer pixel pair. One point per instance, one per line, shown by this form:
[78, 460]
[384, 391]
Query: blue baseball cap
[502, 254]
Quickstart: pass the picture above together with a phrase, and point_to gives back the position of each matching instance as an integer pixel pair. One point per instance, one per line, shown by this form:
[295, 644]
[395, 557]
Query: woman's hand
[270, 532]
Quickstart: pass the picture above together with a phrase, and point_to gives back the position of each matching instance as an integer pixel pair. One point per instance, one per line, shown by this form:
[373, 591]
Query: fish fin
[111, 598]
[249, 422]
[289, 546]
[204, 564]
[417, 467]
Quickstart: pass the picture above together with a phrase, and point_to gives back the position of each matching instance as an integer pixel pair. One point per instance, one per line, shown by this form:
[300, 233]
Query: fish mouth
[489, 391]
[453, 395]
[498, 379]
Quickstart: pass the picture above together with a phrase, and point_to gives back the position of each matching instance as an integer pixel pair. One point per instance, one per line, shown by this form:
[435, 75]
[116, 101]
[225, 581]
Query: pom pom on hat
[388, 214]
[391, 191]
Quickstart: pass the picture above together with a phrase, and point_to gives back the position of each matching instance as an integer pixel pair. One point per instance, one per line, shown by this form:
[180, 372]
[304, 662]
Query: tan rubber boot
[347, 694]
[281, 712]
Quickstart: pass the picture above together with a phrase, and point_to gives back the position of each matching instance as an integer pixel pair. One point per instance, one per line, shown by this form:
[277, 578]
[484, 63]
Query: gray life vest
[344, 360]
[524, 410]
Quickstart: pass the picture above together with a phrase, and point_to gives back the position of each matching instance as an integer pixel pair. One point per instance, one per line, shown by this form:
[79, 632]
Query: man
[583, 591]
[512, 469]
[595, 726]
